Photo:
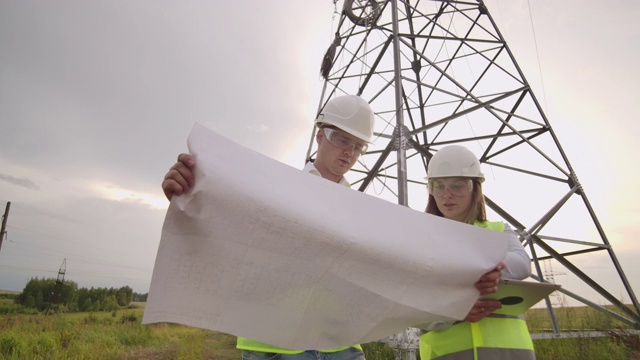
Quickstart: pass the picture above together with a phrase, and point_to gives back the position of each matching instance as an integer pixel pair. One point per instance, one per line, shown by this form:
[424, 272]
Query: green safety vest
[494, 337]
[247, 344]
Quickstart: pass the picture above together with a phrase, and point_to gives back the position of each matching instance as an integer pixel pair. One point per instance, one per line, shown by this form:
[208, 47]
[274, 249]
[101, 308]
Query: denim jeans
[348, 354]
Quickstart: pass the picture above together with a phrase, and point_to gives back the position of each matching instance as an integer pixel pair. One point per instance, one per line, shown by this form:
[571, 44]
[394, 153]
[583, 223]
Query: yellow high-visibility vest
[247, 344]
[494, 337]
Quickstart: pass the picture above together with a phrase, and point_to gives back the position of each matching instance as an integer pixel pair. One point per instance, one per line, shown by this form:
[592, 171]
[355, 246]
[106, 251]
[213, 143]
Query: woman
[455, 192]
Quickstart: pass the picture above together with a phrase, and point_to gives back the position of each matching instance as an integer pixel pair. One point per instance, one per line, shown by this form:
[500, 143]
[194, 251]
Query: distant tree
[41, 290]
[30, 302]
[83, 300]
[40, 303]
[30, 290]
[140, 297]
[124, 295]
[68, 294]
[110, 304]
[43, 294]
[87, 305]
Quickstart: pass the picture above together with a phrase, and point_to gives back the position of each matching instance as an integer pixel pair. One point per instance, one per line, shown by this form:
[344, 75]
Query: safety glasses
[340, 140]
[457, 187]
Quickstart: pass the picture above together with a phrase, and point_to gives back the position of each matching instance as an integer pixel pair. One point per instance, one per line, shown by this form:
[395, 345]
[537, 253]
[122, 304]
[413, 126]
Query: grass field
[114, 335]
[119, 335]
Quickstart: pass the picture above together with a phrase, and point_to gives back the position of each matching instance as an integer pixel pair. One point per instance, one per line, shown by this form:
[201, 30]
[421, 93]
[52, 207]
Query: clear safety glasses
[343, 142]
[457, 187]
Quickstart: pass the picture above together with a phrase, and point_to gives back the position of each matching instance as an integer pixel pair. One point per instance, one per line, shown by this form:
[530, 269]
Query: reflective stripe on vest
[494, 337]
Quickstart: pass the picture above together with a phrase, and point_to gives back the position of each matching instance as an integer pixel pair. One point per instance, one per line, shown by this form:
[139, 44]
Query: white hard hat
[454, 161]
[349, 113]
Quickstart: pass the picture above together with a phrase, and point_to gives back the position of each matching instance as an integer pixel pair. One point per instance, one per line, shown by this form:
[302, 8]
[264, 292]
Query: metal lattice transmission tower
[58, 288]
[556, 299]
[438, 73]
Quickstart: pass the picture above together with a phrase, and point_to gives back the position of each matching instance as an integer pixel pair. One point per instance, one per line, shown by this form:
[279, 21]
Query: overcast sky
[97, 99]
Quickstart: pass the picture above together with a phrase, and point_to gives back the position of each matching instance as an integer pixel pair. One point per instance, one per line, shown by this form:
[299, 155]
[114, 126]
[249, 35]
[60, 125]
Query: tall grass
[115, 335]
[621, 344]
[119, 335]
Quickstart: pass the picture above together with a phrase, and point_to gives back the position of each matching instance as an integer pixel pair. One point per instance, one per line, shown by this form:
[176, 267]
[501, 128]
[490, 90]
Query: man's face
[333, 158]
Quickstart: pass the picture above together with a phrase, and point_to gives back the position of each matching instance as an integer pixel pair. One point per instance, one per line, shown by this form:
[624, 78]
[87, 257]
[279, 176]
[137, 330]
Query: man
[345, 128]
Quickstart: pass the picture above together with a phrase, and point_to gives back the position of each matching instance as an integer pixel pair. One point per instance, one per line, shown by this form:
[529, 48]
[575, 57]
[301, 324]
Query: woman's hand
[482, 308]
[488, 283]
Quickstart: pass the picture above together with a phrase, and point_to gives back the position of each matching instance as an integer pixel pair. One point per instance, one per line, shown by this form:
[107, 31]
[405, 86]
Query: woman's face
[453, 196]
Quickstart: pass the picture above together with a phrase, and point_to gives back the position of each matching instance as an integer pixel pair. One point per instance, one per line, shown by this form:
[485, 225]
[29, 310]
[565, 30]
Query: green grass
[112, 335]
[119, 335]
[622, 345]
[581, 317]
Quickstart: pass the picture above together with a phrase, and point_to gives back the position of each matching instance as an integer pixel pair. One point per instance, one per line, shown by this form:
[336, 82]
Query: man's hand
[179, 179]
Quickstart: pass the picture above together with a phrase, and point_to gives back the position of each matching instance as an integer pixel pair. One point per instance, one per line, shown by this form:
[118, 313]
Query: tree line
[49, 294]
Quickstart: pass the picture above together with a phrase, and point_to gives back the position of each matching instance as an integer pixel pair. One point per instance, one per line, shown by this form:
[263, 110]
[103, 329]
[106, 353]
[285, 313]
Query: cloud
[115, 193]
[24, 182]
[97, 103]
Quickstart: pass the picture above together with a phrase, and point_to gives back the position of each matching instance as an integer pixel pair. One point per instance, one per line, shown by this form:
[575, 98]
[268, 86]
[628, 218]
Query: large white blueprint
[265, 251]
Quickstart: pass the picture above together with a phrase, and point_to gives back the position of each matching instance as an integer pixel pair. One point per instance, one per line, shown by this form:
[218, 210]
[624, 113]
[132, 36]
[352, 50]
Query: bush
[10, 346]
[138, 336]
[6, 308]
[90, 319]
[129, 319]
[44, 346]
[377, 351]
[13, 309]
[10, 296]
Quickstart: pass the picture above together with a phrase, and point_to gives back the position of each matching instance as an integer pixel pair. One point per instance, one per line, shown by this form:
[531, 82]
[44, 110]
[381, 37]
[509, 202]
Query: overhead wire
[535, 43]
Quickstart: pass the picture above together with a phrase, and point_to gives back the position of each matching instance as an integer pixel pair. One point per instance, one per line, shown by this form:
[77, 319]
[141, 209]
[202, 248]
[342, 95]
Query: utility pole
[4, 223]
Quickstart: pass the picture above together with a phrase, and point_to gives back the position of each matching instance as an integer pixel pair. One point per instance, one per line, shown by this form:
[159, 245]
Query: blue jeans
[348, 354]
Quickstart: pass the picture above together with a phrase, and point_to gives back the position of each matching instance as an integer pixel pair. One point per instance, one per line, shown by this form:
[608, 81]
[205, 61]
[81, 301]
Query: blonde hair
[476, 212]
